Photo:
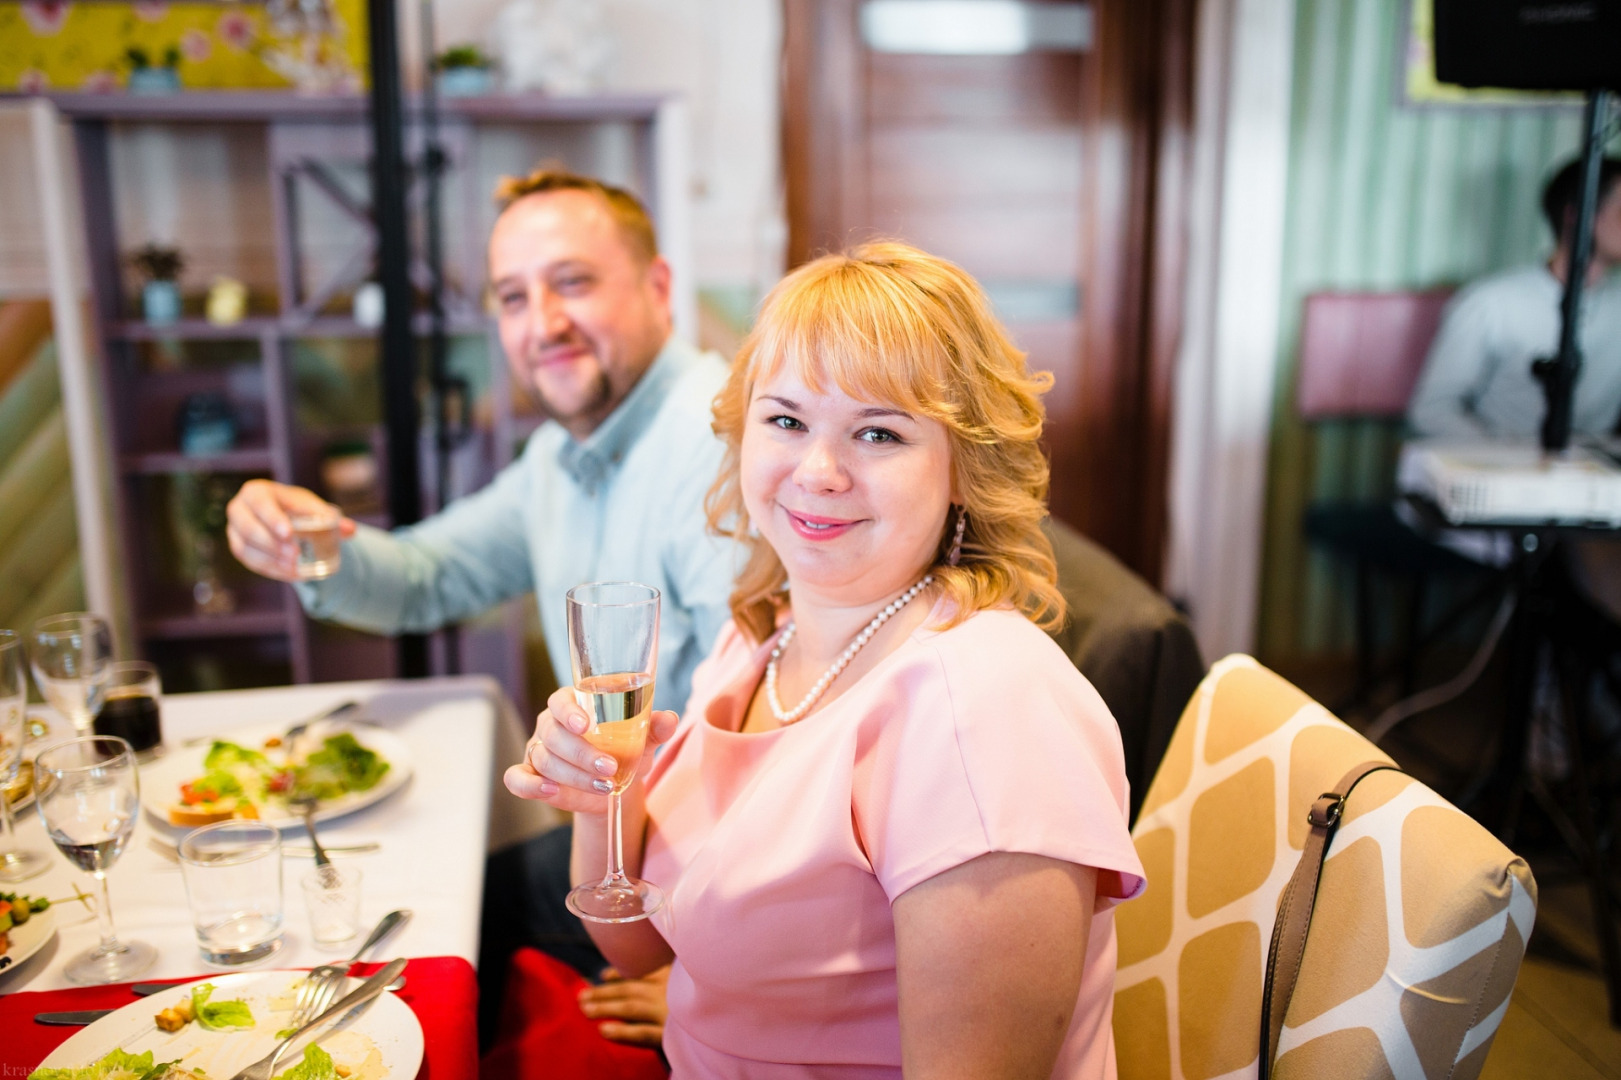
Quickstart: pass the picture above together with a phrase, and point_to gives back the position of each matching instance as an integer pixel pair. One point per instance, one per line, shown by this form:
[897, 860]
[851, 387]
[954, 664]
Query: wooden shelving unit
[313, 149]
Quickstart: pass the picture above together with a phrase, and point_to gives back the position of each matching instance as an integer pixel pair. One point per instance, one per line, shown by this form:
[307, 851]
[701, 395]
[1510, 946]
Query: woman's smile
[816, 527]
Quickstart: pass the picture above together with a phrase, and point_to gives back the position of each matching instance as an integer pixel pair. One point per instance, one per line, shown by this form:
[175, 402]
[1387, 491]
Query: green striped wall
[39, 549]
[1380, 196]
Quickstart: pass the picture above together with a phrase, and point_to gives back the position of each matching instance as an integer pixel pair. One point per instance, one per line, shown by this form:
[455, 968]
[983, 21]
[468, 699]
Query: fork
[262, 1069]
[171, 851]
[322, 983]
[305, 804]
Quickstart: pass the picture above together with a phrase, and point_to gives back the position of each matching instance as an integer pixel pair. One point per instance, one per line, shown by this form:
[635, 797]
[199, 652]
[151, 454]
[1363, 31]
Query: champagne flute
[89, 795]
[16, 864]
[613, 631]
[72, 655]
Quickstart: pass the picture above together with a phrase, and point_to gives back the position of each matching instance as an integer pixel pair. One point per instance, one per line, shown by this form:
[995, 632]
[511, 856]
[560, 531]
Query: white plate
[386, 1024]
[29, 938]
[161, 778]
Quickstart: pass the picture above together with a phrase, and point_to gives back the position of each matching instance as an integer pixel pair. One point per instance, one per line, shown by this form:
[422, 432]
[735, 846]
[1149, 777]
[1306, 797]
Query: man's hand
[632, 1011]
[259, 526]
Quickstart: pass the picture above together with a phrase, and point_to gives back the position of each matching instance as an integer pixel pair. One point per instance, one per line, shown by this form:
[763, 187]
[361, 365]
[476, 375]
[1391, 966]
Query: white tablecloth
[434, 832]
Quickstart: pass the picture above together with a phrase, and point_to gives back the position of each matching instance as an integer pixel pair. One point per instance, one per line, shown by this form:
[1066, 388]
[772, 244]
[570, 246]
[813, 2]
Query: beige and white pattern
[1421, 920]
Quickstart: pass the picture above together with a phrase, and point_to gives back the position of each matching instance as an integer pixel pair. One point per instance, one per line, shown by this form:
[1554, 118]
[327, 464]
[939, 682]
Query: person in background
[1477, 380]
[611, 488]
[891, 826]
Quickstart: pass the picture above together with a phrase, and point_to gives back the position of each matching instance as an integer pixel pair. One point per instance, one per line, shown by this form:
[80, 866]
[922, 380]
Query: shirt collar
[589, 463]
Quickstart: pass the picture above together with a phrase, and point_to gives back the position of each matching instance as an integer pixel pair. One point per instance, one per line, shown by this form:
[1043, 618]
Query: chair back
[1130, 643]
[1421, 918]
[1361, 352]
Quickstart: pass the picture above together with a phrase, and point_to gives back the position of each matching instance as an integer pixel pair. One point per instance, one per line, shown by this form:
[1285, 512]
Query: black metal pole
[1560, 373]
[396, 349]
[440, 388]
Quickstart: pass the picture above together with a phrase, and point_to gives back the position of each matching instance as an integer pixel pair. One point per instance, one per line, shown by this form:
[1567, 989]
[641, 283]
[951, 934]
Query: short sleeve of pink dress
[781, 852]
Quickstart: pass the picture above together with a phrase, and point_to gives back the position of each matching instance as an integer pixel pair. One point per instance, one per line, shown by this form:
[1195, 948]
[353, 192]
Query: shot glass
[332, 896]
[232, 871]
[319, 543]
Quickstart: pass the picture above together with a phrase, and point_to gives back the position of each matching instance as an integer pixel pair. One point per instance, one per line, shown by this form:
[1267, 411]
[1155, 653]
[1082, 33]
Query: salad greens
[226, 756]
[117, 1065]
[341, 765]
[317, 1065]
[220, 1015]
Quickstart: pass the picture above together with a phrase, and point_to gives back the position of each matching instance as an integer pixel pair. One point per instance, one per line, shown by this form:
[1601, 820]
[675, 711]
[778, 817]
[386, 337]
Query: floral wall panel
[57, 46]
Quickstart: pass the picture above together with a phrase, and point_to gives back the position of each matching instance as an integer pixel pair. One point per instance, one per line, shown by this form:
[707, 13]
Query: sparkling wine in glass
[613, 631]
[89, 795]
[72, 655]
[16, 864]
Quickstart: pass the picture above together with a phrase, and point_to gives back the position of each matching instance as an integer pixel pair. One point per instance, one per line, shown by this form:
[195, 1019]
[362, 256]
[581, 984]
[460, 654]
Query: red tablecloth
[545, 1036]
[441, 990]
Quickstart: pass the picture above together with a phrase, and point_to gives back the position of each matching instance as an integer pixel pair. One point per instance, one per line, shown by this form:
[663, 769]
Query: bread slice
[207, 813]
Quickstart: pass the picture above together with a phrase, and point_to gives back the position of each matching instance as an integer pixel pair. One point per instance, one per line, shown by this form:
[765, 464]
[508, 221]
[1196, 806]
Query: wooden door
[1055, 176]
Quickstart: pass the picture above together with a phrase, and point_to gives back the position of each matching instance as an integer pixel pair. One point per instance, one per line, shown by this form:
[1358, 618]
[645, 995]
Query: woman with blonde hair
[892, 823]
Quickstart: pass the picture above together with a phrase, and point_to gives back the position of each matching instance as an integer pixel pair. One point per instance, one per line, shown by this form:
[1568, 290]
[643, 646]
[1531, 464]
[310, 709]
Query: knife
[72, 1019]
[90, 1016]
[292, 733]
[148, 989]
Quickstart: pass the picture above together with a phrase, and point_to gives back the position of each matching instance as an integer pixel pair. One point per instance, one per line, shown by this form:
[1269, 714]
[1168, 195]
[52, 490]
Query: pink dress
[781, 852]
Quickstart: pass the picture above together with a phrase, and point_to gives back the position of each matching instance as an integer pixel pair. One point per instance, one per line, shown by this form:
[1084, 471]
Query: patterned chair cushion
[1421, 918]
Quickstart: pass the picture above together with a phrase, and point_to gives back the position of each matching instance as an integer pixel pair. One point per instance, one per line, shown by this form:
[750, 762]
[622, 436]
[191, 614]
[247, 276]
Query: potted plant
[146, 77]
[463, 71]
[160, 295]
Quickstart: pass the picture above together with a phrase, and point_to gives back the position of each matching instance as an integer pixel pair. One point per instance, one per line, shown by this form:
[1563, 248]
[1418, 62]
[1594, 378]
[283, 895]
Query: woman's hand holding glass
[562, 769]
[613, 631]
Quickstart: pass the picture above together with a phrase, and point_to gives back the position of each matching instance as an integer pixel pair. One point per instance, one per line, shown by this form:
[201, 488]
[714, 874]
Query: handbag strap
[1295, 909]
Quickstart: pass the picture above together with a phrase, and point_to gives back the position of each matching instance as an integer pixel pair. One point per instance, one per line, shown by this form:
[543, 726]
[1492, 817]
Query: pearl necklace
[788, 716]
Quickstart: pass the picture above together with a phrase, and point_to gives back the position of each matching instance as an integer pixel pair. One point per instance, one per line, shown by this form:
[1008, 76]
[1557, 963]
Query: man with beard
[611, 488]
[582, 301]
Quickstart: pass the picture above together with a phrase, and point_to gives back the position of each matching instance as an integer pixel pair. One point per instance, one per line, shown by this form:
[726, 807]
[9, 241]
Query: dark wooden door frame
[1136, 91]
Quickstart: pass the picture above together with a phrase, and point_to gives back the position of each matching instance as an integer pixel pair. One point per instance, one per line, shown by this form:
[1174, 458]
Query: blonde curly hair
[885, 322]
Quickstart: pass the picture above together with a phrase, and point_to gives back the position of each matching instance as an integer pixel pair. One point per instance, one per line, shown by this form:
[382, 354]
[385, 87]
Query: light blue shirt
[1477, 380]
[624, 505]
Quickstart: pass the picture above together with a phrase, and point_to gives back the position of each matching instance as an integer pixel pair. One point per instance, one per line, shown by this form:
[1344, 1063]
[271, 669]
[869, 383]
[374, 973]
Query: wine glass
[89, 795]
[16, 864]
[613, 631]
[71, 655]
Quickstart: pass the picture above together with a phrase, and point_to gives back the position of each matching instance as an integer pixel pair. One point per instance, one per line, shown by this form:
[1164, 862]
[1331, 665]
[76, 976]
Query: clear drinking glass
[320, 544]
[71, 655]
[89, 795]
[613, 633]
[131, 706]
[233, 884]
[16, 864]
[332, 897]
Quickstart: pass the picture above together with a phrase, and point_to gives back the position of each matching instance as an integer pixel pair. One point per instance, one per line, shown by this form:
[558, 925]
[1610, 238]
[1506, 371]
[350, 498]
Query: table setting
[155, 877]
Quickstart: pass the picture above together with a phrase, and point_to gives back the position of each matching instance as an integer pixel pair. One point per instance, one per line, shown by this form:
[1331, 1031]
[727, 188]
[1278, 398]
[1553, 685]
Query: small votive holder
[332, 897]
[319, 543]
[232, 871]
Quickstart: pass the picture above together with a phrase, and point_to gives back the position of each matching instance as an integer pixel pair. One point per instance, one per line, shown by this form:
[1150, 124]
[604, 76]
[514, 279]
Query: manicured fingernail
[607, 766]
[576, 724]
[548, 789]
[602, 786]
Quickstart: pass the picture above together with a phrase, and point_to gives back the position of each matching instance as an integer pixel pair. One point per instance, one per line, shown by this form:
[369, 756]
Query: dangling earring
[956, 541]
